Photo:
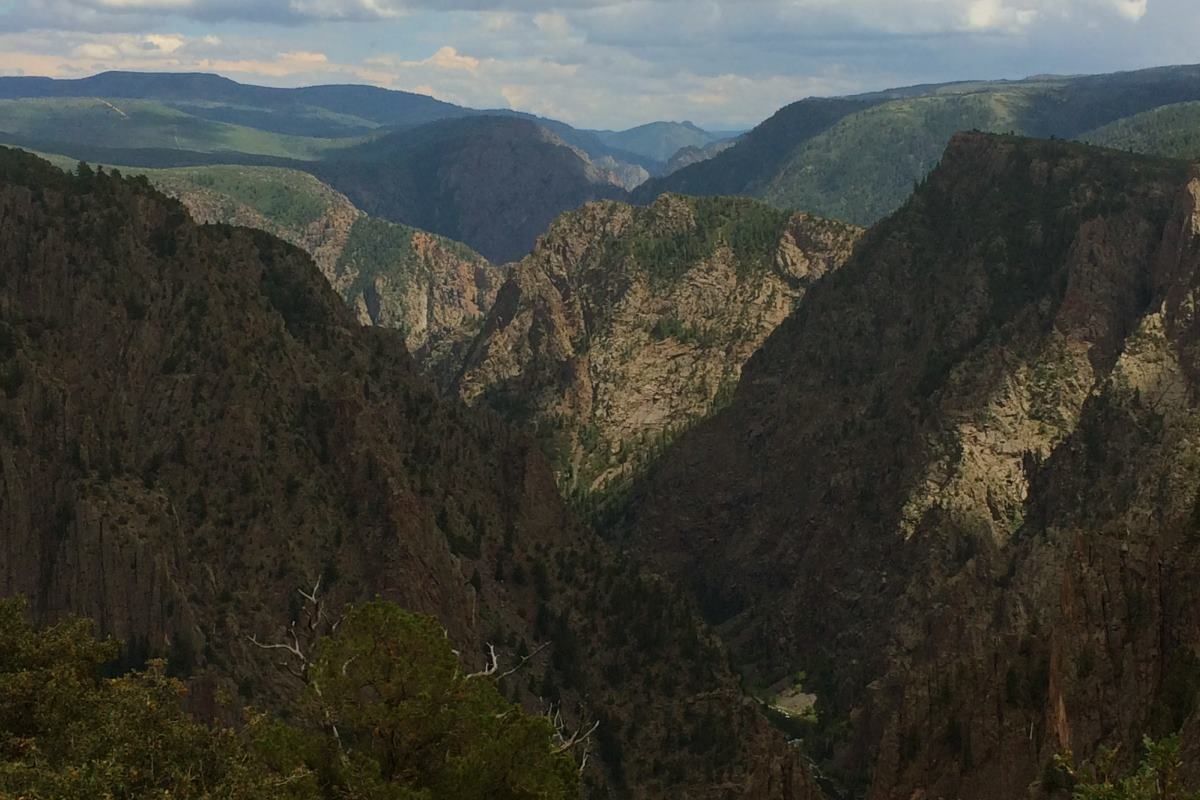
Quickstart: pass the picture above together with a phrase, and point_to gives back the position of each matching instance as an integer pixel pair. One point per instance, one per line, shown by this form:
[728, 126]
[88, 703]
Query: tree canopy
[386, 713]
[1158, 777]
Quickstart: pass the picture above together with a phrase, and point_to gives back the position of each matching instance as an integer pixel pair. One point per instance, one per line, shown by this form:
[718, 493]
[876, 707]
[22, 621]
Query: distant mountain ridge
[754, 160]
[857, 158]
[1172, 131]
[376, 145]
[329, 110]
[694, 155]
[660, 141]
[335, 110]
[494, 183]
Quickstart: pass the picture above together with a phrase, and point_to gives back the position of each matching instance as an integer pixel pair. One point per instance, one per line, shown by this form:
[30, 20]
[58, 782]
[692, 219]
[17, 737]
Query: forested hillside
[193, 426]
[857, 159]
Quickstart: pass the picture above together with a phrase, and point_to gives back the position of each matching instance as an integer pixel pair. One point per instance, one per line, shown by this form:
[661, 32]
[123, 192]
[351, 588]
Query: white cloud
[165, 44]
[601, 62]
[1133, 9]
[449, 59]
[556, 15]
[555, 25]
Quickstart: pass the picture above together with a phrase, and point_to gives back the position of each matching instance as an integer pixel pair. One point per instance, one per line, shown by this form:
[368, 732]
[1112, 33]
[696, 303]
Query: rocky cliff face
[626, 325]
[192, 425]
[958, 487]
[690, 155]
[434, 290]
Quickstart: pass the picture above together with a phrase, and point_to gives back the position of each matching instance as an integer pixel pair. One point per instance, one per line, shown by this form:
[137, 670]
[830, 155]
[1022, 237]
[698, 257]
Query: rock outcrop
[626, 325]
[688, 156]
[958, 487]
[432, 289]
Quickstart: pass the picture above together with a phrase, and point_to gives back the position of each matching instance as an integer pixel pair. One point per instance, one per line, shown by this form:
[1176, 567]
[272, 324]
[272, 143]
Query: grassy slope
[140, 124]
[864, 166]
[309, 111]
[859, 164]
[290, 198]
[757, 157]
[300, 120]
[1172, 131]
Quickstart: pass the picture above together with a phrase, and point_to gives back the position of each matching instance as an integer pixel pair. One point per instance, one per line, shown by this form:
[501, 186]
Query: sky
[725, 64]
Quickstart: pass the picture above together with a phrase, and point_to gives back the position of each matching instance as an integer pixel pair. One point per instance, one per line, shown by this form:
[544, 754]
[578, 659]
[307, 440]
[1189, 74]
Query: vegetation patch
[751, 230]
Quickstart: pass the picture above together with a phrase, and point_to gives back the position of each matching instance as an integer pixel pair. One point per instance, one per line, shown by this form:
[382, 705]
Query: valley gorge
[947, 524]
[623, 327]
[193, 425]
[852, 457]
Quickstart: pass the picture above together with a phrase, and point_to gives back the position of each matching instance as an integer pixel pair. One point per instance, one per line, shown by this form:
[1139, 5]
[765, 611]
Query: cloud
[449, 59]
[891, 15]
[1133, 9]
[604, 63]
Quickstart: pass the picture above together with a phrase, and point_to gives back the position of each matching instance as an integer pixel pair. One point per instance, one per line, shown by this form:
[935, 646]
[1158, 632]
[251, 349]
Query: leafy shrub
[1159, 777]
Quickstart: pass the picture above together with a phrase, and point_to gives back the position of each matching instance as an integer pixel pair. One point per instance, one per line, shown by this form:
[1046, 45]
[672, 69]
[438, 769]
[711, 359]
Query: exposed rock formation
[627, 324]
[434, 290]
[695, 155]
[192, 425]
[959, 486]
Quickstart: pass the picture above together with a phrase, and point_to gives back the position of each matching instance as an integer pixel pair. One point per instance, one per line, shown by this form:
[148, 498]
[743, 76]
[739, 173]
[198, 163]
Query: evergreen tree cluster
[386, 713]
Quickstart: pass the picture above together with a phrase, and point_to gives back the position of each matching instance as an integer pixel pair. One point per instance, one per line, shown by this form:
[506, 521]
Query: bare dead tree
[298, 647]
[302, 635]
[492, 664]
[569, 740]
[521, 664]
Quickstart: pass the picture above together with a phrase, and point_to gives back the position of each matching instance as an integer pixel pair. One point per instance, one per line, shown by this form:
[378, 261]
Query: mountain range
[786, 507]
[956, 489]
[194, 425]
[661, 141]
[857, 158]
[494, 180]
[395, 149]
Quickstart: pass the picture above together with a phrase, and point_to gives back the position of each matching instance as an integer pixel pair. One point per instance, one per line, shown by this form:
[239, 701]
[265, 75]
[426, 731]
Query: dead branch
[289, 648]
[301, 640]
[311, 596]
[493, 665]
[577, 738]
[521, 664]
[298, 648]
